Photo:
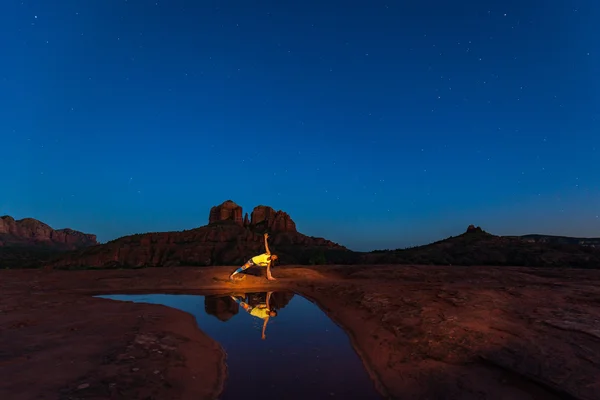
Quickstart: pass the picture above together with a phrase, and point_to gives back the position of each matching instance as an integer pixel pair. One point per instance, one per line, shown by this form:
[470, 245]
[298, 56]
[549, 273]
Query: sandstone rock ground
[422, 332]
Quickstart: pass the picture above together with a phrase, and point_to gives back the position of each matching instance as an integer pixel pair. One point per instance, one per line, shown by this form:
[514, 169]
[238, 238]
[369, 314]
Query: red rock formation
[263, 218]
[226, 240]
[227, 211]
[217, 244]
[266, 218]
[29, 231]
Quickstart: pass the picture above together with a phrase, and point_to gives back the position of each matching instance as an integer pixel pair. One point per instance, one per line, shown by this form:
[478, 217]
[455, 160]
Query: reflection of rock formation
[278, 299]
[221, 307]
[281, 299]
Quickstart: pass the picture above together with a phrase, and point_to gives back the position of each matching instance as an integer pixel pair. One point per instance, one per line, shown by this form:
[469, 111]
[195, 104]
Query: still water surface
[303, 354]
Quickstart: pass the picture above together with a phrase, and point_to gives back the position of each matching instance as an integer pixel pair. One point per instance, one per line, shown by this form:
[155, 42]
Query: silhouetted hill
[230, 239]
[477, 247]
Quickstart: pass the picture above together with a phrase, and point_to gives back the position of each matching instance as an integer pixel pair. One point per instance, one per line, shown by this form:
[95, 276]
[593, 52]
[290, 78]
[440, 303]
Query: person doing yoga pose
[262, 260]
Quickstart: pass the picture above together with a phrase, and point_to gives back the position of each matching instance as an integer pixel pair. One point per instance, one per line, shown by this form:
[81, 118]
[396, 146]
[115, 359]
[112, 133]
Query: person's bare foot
[271, 278]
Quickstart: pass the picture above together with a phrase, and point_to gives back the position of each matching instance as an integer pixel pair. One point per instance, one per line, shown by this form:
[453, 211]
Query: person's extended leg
[241, 302]
[244, 267]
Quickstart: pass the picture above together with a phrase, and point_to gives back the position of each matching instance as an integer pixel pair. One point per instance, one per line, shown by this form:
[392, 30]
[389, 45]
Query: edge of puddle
[219, 387]
[375, 378]
[366, 362]
[223, 371]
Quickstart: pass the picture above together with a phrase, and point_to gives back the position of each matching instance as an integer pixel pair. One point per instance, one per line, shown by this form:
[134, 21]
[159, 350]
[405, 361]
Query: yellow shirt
[262, 312]
[262, 259]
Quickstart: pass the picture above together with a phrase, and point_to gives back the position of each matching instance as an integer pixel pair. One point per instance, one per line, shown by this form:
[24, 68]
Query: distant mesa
[263, 218]
[29, 232]
[28, 243]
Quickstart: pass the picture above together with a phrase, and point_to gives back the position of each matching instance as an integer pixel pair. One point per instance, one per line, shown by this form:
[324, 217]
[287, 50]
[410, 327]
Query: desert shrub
[317, 258]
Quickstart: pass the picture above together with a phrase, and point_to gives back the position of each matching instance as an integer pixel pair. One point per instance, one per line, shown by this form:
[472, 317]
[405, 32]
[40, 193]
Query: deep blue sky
[373, 123]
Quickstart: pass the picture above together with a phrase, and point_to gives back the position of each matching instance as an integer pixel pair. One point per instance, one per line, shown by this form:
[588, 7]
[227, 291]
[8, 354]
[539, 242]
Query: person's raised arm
[263, 336]
[267, 244]
[269, 276]
[269, 300]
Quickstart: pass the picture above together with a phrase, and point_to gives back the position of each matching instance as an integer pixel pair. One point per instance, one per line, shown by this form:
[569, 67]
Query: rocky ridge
[228, 239]
[231, 237]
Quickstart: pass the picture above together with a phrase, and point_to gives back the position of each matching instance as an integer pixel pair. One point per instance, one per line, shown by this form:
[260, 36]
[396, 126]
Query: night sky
[375, 124]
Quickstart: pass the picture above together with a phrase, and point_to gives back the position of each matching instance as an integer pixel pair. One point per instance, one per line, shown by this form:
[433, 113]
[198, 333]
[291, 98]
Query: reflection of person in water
[260, 310]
